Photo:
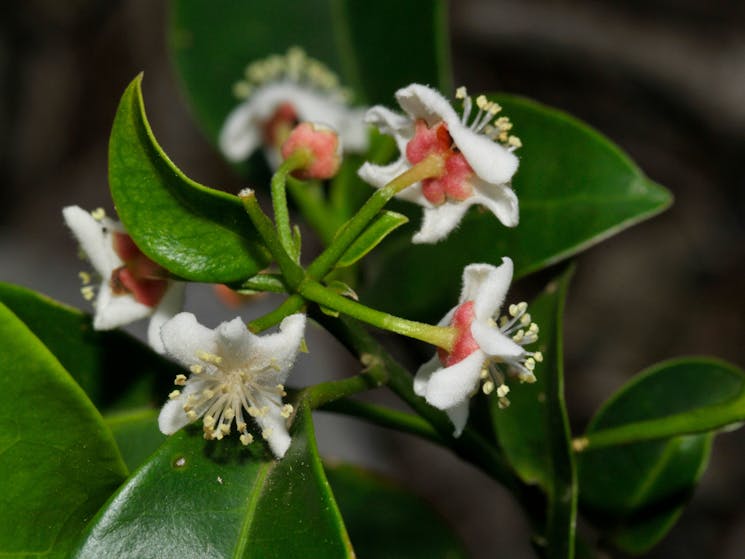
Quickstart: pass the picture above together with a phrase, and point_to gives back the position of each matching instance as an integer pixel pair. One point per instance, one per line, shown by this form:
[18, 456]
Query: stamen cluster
[498, 130]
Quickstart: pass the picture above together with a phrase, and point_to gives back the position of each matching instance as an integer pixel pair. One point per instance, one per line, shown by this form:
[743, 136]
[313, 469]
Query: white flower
[281, 91]
[132, 286]
[233, 373]
[485, 349]
[479, 160]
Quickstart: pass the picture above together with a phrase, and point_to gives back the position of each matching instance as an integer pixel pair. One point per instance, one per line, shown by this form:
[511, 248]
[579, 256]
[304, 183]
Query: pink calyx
[277, 128]
[465, 344]
[139, 276]
[454, 183]
[322, 145]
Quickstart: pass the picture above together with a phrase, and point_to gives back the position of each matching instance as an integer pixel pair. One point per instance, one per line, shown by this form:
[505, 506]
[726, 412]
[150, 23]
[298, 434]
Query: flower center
[139, 276]
[454, 184]
[464, 344]
[278, 127]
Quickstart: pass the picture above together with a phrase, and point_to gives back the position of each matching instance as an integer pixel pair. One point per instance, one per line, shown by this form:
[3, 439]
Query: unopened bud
[323, 145]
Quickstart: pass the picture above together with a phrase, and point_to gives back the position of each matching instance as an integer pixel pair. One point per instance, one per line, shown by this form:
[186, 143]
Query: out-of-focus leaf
[575, 189]
[136, 433]
[58, 462]
[197, 498]
[195, 232]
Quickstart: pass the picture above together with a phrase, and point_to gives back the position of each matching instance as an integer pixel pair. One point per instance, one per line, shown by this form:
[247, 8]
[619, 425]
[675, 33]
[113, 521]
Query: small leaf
[380, 227]
[197, 498]
[386, 521]
[534, 430]
[575, 189]
[58, 462]
[113, 368]
[343, 289]
[195, 232]
[637, 491]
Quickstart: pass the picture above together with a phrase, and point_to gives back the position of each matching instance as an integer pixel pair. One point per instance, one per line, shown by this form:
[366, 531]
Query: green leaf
[195, 232]
[575, 189]
[136, 433]
[534, 430]
[212, 43]
[380, 227]
[197, 498]
[113, 368]
[58, 462]
[720, 408]
[637, 491]
[387, 522]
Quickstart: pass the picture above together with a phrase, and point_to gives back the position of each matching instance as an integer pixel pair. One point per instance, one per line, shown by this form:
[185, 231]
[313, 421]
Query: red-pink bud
[323, 145]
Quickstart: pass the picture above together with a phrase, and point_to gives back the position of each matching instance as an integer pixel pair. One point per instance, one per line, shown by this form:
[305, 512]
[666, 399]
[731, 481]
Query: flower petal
[353, 131]
[391, 123]
[113, 311]
[494, 343]
[279, 350]
[170, 304]
[93, 239]
[380, 175]
[183, 337]
[491, 162]
[172, 416]
[500, 199]
[450, 386]
[421, 379]
[458, 417]
[420, 101]
[274, 428]
[439, 221]
[486, 286]
[241, 134]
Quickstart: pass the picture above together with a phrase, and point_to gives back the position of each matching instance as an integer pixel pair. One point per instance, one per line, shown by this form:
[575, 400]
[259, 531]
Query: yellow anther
[196, 369]
[530, 363]
[219, 435]
[533, 329]
[180, 380]
[174, 394]
[513, 310]
[267, 433]
[481, 102]
[461, 93]
[518, 336]
[579, 444]
[538, 356]
[263, 411]
[209, 357]
[522, 307]
[525, 319]
[225, 428]
[98, 214]
[85, 277]
[286, 411]
[247, 439]
[209, 421]
[515, 142]
[503, 321]
[241, 426]
[229, 414]
[503, 390]
[242, 90]
[503, 403]
[484, 373]
[491, 322]
[495, 108]
[88, 292]
[208, 393]
[253, 411]
[192, 415]
[488, 387]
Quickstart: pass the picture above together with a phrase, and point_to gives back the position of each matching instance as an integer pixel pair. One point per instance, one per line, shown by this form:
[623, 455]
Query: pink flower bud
[323, 145]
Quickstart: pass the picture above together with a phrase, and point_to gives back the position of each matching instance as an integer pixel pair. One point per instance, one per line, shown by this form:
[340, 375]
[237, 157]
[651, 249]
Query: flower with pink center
[132, 286]
[487, 349]
[279, 92]
[322, 143]
[479, 158]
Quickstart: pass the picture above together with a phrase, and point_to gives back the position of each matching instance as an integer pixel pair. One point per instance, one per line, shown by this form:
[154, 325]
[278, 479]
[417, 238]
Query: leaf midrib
[253, 502]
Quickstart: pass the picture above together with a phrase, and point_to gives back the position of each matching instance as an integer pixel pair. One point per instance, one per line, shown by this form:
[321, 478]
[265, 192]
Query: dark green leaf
[575, 189]
[386, 521]
[195, 232]
[534, 430]
[380, 227]
[58, 462]
[637, 491]
[195, 499]
[375, 47]
[137, 434]
[113, 368]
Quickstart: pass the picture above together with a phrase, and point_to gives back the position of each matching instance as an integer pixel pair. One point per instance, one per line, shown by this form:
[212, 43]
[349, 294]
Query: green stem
[326, 392]
[290, 270]
[299, 159]
[291, 305]
[439, 336]
[264, 282]
[432, 166]
[385, 417]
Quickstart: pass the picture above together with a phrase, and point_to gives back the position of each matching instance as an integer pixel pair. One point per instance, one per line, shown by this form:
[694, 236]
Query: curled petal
[451, 386]
[420, 101]
[494, 343]
[421, 379]
[458, 417]
[274, 429]
[500, 199]
[486, 286]
[113, 311]
[93, 239]
[169, 305]
[490, 161]
[240, 135]
[439, 221]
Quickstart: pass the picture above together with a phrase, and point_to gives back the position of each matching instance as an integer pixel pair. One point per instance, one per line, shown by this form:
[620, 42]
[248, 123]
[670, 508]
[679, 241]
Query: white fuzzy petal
[241, 133]
[354, 132]
[281, 349]
[183, 337]
[439, 221]
[172, 416]
[494, 343]
[393, 124]
[451, 386]
[380, 175]
[458, 417]
[421, 379]
[489, 160]
[486, 286]
[96, 243]
[113, 311]
[422, 102]
[500, 199]
[170, 304]
[274, 426]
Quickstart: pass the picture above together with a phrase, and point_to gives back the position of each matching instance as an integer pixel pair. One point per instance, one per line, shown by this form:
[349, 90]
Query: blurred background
[665, 79]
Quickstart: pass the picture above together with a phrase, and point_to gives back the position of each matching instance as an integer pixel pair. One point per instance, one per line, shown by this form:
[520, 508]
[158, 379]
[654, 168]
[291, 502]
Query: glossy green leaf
[113, 368]
[136, 433]
[721, 408]
[637, 491]
[387, 522]
[58, 462]
[212, 43]
[534, 430]
[200, 499]
[195, 232]
[575, 189]
[384, 223]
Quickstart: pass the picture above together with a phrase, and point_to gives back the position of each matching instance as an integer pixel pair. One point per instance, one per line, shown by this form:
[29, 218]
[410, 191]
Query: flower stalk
[299, 159]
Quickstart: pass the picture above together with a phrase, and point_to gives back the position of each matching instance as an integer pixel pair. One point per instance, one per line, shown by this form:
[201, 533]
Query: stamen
[85, 277]
[180, 380]
[98, 214]
[88, 292]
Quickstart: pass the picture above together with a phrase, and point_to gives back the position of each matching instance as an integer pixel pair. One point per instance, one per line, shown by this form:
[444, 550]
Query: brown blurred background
[665, 79]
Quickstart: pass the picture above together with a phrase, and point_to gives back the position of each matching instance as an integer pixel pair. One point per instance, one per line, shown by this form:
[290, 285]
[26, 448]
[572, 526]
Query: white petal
[420, 101]
[458, 417]
[453, 385]
[241, 133]
[113, 311]
[393, 124]
[172, 416]
[500, 199]
[96, 243]
[439, 221]
[354, 132]
[490, 161]
[380, 175]
[486, 286]
[170, 304]
[281, 349]
[421, 379]
[493, 342]
[275, 427]
[183, 337]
